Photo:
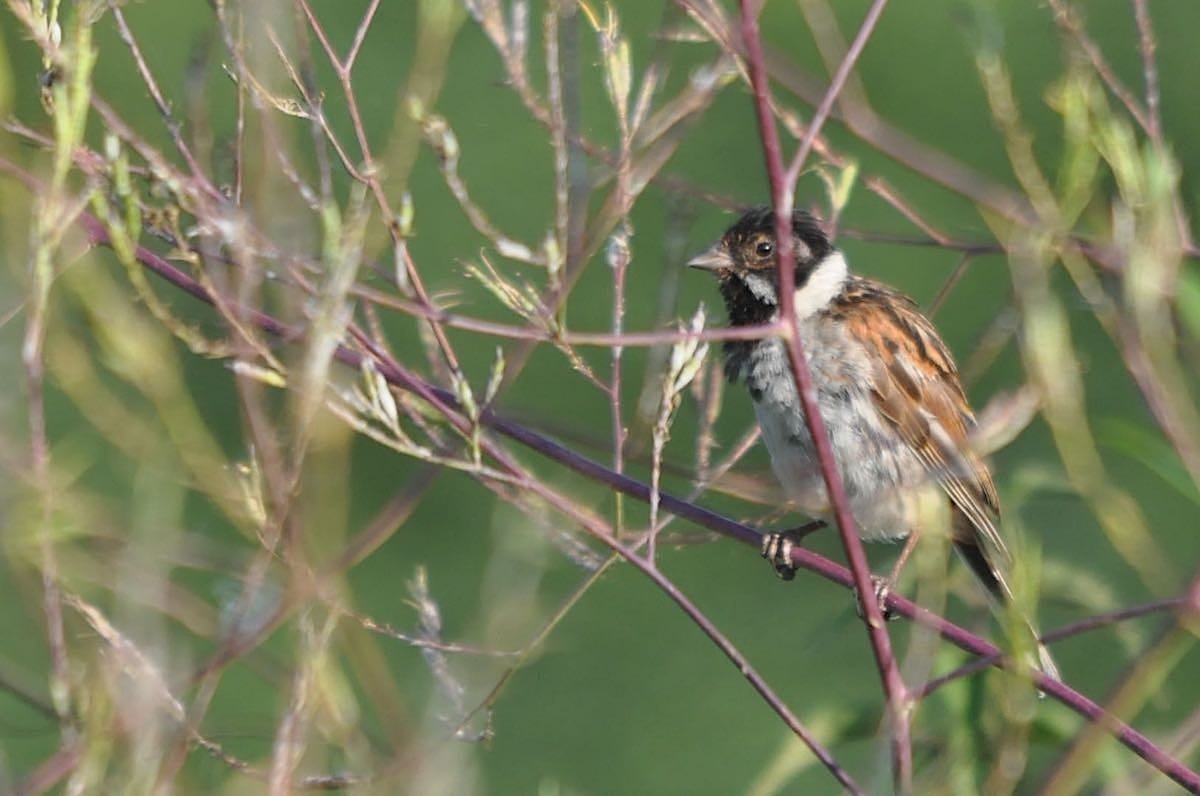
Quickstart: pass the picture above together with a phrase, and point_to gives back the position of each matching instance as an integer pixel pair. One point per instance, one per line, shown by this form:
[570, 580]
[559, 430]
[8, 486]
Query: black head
[744, 262]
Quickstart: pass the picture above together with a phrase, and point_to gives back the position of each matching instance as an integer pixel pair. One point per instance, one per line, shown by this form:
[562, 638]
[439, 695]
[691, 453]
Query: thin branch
[1138, 684]
[894, 689]
[447, 405]
[1068, 20]
[1147, 46]
[360, 35]
[805, 559]
[160, 103]
[371, 174]
[534, 334]
[445, 402]
[1067, 631]
[951, 282]
[832, 93]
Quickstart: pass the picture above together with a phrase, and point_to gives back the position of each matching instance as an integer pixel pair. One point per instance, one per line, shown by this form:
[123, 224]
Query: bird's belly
[880, 475]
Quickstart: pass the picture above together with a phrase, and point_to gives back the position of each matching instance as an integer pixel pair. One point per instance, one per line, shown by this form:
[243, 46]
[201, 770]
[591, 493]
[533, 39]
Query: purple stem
[894, 688]
[805, 559]
[1073, 629]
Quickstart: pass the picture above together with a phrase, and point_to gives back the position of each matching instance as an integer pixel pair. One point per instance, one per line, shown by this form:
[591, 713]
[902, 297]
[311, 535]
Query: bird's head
[743, 261]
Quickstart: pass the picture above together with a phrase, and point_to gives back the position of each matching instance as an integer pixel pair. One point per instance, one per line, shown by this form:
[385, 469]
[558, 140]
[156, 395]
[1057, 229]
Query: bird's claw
[777, 548]
[882, 587]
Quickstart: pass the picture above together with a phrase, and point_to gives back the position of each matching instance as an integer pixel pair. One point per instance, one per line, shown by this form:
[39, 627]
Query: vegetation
[366, 433]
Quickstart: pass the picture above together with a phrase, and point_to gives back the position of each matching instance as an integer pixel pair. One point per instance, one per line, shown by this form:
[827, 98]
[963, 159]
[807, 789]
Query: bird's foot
[777, 547]
[882, 587]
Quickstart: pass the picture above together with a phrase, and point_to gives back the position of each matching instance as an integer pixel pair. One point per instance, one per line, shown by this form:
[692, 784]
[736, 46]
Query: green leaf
[1142, 446]
[1187, 299]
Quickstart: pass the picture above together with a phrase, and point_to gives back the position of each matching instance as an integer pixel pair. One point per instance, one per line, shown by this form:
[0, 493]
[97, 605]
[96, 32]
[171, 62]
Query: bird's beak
[712, 260]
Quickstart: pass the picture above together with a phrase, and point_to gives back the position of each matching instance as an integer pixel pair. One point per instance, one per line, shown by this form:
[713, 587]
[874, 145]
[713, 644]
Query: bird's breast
[873, 462]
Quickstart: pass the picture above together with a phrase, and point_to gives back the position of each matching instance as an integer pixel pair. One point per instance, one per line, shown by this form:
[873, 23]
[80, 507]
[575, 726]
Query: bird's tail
[1001, 595]
[1045, 661]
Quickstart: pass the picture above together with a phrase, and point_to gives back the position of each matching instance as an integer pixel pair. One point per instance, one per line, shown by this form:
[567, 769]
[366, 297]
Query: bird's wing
[916, 387]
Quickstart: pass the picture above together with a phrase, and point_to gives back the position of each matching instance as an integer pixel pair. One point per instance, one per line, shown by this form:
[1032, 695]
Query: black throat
[745, 309]
[757, 306]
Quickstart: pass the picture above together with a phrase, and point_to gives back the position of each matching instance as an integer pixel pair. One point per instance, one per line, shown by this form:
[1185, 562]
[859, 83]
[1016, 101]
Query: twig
[1068, 19]
[444, 402]
[1132, 739]
[371, 176]
[951, 282]
[160, 103]
[1147, 46]
[447, 405]
[1074, 629]
[628, 339]
[831, 94]
[894, 689]
[1137, 684]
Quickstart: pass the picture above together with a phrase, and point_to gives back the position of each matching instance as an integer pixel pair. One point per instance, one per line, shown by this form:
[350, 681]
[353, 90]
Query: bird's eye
[764, 248]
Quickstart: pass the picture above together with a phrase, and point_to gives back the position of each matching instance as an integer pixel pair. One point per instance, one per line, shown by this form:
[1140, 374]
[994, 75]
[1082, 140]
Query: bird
[888, 390]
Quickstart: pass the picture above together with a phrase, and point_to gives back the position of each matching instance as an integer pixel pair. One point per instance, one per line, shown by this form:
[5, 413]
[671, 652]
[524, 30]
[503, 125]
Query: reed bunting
[888, 391]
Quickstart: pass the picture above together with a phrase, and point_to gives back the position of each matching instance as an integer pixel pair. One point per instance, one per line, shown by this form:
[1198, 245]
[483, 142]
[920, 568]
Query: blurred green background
[625, 696]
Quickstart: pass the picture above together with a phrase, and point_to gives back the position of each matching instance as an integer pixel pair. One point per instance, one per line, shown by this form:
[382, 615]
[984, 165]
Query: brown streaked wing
[916, 387]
